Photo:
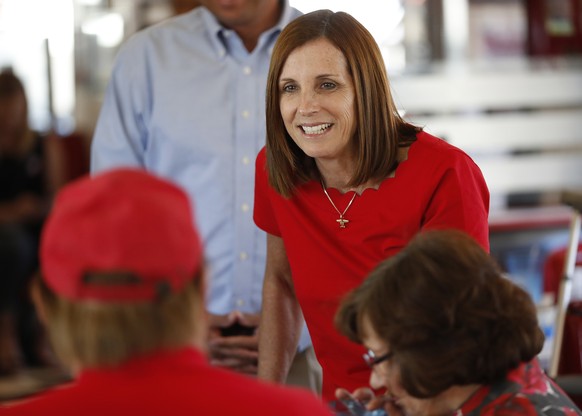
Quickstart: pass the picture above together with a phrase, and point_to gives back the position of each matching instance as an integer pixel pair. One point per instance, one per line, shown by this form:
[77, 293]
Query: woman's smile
[315, 129]
[317, 101]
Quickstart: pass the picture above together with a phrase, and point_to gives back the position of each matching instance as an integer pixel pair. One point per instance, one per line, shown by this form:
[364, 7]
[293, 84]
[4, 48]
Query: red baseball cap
[125, 221]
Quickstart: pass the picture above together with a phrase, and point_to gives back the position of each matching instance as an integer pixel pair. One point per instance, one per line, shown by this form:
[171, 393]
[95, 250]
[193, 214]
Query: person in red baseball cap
[121, 292]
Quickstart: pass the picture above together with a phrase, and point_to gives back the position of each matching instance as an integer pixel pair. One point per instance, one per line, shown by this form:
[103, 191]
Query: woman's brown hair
[380, 130]
[447, 313]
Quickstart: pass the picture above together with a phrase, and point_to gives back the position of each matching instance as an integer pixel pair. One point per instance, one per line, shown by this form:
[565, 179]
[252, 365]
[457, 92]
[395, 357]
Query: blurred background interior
[502, 79]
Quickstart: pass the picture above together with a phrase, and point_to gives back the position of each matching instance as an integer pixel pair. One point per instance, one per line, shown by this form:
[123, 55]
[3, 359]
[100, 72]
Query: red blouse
[438, 186]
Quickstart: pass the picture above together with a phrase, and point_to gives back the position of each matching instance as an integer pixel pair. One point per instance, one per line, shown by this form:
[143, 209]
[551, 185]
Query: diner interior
[501, 79]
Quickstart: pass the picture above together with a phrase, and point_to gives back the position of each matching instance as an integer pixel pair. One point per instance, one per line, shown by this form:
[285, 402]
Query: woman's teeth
[315, 129]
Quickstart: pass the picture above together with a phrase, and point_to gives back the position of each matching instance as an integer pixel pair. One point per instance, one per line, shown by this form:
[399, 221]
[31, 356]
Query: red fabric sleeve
[263, 214]
[461, 200]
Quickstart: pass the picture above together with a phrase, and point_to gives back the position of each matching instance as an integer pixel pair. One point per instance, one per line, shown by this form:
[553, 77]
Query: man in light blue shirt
[186, 100]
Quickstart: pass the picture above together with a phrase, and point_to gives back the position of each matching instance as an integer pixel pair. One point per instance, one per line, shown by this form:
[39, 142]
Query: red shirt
[438, 186]
[168, 383]
[525, 391]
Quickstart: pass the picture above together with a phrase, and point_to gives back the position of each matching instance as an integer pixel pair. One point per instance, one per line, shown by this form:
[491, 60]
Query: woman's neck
[336, 174]
[455, 397]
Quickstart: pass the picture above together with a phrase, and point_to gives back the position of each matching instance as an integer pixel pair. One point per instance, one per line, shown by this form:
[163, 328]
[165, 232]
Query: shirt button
[243, 256]
[246, 114]
[246, 160]
[245, 207]
[240, 302]
[247, 70]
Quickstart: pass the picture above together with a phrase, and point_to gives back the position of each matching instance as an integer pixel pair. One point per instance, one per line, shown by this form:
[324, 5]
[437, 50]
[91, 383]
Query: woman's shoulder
[430, 142]
[262, 153]
[261, 159]
[432, 149]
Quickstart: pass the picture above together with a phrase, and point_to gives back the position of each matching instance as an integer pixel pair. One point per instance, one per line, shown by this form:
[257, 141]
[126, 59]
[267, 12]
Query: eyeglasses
[371, 359]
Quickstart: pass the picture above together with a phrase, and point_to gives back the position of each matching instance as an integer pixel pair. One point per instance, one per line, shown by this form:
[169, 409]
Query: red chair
[554, 269]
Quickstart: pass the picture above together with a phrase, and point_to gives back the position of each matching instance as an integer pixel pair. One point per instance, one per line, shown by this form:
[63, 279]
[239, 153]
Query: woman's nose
[308, 104]
[377, 381]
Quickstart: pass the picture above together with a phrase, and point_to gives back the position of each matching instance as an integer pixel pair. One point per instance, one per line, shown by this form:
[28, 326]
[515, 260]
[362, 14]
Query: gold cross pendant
[342, 222]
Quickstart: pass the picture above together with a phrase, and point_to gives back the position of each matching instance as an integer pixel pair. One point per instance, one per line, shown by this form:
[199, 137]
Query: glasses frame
[371, 359]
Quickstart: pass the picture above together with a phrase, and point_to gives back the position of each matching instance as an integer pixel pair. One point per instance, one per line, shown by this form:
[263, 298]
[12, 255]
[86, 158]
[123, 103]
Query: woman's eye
[328, 85]
[289, 88]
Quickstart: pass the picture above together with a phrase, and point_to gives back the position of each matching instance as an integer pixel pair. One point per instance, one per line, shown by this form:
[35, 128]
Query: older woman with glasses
[448, 334]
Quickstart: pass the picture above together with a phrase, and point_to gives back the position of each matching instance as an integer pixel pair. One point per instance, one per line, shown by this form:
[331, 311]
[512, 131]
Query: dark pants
[18, 263]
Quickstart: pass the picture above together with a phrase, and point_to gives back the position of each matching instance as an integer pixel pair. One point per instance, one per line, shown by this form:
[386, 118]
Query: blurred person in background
[29, 169]
[183, 6]
[448, 334]
[121, 290]
[186, 101]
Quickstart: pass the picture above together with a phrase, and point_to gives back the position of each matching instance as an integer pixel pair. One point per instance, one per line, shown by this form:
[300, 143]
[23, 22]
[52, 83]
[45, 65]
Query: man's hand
[238, 352]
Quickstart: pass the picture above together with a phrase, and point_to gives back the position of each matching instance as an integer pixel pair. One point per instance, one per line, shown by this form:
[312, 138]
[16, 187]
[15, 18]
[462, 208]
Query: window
[38, 45]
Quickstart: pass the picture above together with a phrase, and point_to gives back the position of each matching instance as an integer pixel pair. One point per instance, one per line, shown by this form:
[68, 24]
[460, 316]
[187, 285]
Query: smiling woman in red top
[343, 183]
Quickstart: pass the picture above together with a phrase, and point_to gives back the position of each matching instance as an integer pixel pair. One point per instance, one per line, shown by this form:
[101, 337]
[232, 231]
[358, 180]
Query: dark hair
[10, 84]
[14, 122]
[447, 312]
[380, 130]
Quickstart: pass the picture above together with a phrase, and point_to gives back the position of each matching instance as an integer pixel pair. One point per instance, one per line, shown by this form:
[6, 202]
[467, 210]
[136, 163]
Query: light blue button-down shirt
[186, 100]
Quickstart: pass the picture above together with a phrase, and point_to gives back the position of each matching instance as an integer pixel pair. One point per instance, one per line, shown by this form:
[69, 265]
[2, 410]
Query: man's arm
[120, 133]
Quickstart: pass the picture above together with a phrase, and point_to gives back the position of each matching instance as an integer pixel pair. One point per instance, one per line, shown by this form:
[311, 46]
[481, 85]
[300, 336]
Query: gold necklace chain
[341, 220]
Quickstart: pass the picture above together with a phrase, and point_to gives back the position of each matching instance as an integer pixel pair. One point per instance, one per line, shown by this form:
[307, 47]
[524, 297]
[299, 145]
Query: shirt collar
[217, 32]
[488, 393]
